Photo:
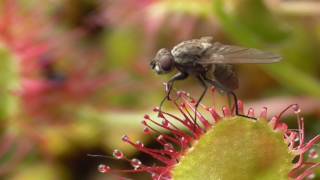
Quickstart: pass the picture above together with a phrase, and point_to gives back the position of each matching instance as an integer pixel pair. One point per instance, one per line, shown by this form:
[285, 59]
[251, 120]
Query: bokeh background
[75, 75]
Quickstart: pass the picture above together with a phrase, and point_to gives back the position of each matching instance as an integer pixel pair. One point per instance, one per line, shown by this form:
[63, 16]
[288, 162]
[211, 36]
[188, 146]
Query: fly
[210, 62]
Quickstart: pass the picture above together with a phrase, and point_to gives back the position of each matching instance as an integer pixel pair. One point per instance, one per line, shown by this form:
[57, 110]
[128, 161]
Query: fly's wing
[220, 53]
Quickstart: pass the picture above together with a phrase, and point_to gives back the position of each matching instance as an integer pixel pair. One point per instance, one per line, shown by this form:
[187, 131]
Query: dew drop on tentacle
[154, 175]
[117, 154]
[187, 122]
[161, 139]
[240, 107]
[165, 123]
[168, 147]
[226, 111]
[102, 168]
[125, 138]
[263, 114]
[156, 109]
[313, 154]
[273, 122]
[139, 144]
[146, 116]
[311, 176]
[144, 122]
[216, 117]
[184, 141]
[251, 112]
[160, 114]
[135, 163]
[296, 109]
[146, 130]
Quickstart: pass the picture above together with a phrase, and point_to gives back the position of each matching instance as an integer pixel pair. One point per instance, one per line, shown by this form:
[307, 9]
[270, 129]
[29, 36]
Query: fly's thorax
[190, 48]
[191, 68]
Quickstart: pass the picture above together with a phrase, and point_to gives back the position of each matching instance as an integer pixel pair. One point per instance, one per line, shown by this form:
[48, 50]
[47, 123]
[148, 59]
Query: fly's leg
[169, 86]
[203, 83]
[220, 86]
[236, 106]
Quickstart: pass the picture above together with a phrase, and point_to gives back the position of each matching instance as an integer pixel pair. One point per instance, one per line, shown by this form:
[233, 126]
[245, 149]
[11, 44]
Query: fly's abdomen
[226, 76]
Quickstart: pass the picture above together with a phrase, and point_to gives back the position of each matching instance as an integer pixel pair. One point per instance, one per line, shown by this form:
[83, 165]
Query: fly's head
[163, 62]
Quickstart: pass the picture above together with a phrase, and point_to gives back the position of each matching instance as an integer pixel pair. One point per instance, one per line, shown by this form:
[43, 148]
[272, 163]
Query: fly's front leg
[170, 83]
[169, 86]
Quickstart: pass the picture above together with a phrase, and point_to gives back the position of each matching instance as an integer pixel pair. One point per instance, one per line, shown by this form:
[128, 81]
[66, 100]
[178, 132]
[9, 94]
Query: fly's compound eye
[166, 63]
[152, 64]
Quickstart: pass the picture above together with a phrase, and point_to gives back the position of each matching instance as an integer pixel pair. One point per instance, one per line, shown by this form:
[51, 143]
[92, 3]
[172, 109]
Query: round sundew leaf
[237, 149]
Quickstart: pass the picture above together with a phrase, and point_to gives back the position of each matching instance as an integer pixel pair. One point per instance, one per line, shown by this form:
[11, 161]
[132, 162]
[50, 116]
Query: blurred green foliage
[251, 24]
[9, 82]
[122, 46]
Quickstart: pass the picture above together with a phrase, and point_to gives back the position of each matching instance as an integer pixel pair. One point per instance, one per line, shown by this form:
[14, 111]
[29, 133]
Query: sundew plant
[222, 145]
